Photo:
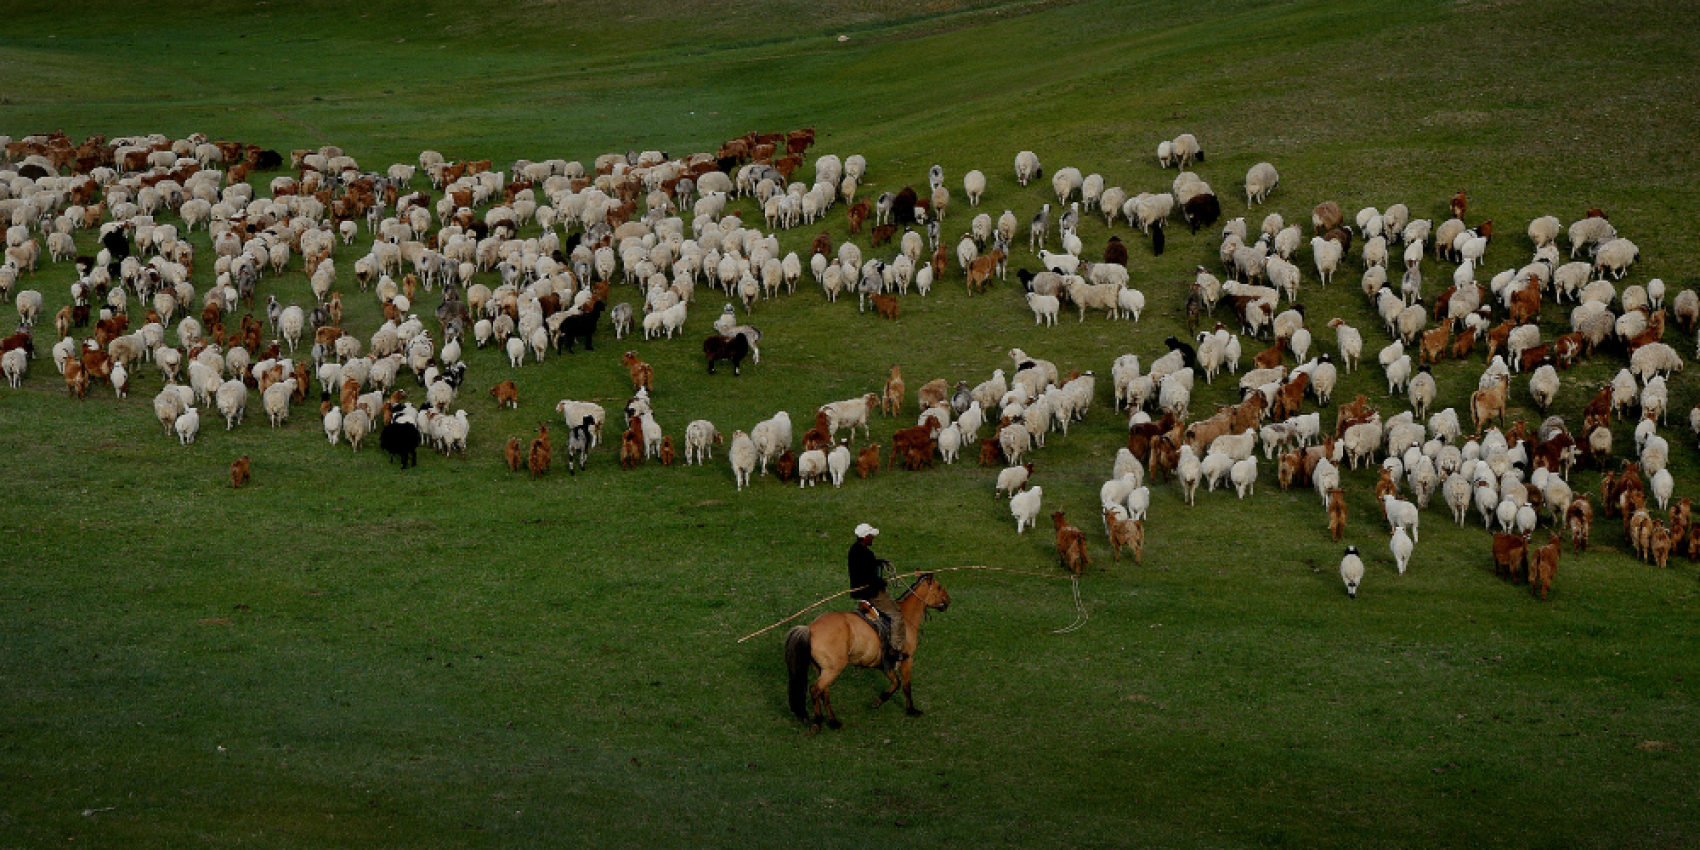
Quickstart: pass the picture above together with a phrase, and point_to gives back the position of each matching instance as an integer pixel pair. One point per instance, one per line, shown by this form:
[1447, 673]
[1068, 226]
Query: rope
[825, 600]
[1079, 611]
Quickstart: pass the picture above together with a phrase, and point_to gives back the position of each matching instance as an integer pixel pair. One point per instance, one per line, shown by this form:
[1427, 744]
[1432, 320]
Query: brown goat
[540, 452]
[1071, 544]
[239, 471]
[1125, 532]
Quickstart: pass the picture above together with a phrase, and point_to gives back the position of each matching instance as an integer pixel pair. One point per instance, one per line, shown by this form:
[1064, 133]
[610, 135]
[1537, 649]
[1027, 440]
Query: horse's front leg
[889, 692]
[909, 694]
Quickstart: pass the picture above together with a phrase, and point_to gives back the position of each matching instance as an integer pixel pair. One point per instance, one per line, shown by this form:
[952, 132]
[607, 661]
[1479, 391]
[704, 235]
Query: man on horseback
[868, 588]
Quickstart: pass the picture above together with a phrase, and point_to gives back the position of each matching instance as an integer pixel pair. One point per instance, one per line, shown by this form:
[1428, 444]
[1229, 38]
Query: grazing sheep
[1024, 506]
[700, 439]
[1012, 480]
[1543, 386]
[1259, 182]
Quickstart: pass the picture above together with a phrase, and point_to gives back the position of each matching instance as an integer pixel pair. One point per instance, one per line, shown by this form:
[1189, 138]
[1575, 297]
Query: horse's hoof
[879, 701]
[814, 728]
[834, 724]
[913, 712]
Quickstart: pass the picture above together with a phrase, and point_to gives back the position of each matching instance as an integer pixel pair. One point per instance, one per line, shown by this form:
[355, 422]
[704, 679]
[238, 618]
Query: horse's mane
[910, 591]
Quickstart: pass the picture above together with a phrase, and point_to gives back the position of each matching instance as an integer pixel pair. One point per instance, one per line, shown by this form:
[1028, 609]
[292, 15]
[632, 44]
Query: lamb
[1024, 506]
[1401, 544]
[744, 457]
[1259, 182]
[1402, 514]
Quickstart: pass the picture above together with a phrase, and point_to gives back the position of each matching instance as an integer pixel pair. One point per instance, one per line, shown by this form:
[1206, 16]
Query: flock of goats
[621, 223]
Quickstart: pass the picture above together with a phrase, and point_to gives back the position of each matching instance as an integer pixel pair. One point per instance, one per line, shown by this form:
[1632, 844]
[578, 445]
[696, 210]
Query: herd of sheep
[659, 227]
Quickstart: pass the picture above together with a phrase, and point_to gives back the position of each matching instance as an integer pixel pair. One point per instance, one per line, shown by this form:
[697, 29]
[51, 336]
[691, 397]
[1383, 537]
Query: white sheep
[1259, 182]
[276, 399]
[1026, 167]
[1401, 544]
[333, 425]
[14, 364]
[700, 437]
[1190, 471]
[356, 424]
[744, 457]
[1327, 254]
[1216, 469]
[1244, 476]
[1044, 308]
[1543, 231]
[1352, 571]
[188, 425]
[1324, 478]
[232, 397]
[810, 466]
[1398, 373]
[1543, 386]
[289, 323]
[1654, 358]
[1457, 491]
[1402, 514]
[1024, 506]
[1616, 256]
[1663, 486]
[974, 186]
[838, 463]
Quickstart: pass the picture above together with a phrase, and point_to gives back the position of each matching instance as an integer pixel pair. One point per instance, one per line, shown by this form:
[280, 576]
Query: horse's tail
[798, 657]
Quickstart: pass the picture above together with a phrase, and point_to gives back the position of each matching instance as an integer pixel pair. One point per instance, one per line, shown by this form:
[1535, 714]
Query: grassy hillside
[347, 655]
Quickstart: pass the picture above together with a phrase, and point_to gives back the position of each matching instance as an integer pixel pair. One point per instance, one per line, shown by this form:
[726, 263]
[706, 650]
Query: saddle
[880, 622]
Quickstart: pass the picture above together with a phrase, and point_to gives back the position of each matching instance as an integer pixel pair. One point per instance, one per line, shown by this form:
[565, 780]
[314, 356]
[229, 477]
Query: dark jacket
[865, 572]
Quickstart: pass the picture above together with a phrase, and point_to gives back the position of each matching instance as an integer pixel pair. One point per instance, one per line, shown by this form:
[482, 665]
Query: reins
[1079, 621]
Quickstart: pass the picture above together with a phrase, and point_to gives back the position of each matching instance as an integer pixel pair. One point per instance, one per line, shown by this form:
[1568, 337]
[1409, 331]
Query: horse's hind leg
[823, 700]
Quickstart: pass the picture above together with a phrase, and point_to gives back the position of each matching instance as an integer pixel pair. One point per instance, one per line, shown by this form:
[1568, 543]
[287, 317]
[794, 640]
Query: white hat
[866, 530]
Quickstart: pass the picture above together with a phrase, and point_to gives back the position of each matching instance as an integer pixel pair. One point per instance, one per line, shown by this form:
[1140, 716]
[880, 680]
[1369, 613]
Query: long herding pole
[901, 575]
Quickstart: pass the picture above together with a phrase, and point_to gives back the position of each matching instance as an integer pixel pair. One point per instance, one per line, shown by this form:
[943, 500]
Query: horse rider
[868, 587]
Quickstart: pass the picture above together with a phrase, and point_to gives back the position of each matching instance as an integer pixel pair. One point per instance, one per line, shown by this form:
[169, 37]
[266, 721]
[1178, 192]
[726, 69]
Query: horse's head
[931, 592]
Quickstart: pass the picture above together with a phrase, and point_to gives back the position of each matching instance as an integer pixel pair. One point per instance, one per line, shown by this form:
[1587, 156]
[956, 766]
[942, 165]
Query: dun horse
[838, 639]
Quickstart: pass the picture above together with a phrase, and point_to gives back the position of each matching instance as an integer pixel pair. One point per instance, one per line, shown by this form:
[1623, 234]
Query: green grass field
[345, 655]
